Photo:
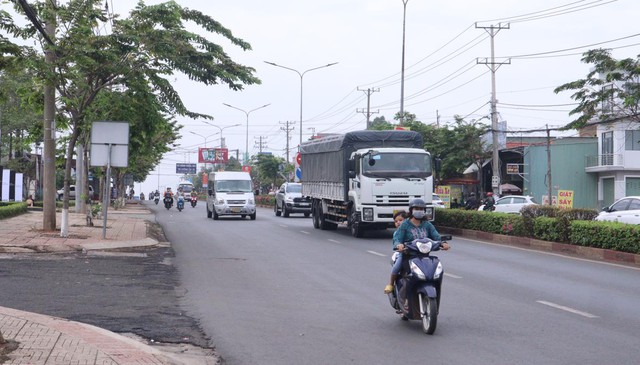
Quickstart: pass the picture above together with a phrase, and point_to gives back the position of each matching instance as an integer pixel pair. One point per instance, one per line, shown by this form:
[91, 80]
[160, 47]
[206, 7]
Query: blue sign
[298, 173]
[185, 168]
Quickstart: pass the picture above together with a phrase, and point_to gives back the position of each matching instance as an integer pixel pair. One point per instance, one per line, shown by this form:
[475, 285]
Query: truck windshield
[236, 186]
[397, 165]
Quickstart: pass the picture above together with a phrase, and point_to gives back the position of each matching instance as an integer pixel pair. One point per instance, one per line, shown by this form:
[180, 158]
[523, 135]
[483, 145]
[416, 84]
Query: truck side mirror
[352, 165]
[352, 174]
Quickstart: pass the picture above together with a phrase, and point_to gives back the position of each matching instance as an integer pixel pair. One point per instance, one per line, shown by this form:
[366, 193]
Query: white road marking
[377, 253]
[283, 225]
[452, 276]
[305, 232]
[568, 309]
[334, 241]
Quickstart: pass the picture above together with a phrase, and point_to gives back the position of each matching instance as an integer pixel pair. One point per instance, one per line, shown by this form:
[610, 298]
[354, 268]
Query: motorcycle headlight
[416, 271]
[438, 271]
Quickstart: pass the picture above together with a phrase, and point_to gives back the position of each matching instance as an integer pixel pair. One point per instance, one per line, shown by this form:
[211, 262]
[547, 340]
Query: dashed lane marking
[568, 309]
[334, 241]
[452, 276]
[283, 225]
[305, 232]
[377, 253]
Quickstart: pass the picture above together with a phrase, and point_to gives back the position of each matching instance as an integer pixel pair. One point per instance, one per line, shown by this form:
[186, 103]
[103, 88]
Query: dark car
[289, 199]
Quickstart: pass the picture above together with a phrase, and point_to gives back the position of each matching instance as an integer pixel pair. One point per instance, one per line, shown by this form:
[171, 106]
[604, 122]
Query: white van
[230, 193]
[187, 188]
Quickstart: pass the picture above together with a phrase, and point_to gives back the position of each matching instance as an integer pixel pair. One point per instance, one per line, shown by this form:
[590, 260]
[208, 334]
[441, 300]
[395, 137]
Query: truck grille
[393, 199]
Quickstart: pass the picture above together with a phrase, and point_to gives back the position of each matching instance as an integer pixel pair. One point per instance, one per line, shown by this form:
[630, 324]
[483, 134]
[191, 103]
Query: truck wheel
[326, 226]
[306, 215]
[285, 212]
[355, 226]
[275, 209]
[316, 216]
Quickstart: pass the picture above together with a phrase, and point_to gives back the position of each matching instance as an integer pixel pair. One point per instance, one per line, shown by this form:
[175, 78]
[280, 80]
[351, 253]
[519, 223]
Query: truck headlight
[367, 214]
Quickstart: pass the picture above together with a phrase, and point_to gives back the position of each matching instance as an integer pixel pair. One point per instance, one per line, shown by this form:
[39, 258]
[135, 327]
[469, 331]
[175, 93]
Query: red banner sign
[213, 155]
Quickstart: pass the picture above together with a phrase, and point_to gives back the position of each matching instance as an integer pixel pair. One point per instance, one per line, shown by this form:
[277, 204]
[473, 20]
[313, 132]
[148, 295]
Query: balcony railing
[605, 160]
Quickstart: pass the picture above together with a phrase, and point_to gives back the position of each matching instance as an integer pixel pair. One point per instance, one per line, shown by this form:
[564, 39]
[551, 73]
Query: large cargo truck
[360, 179]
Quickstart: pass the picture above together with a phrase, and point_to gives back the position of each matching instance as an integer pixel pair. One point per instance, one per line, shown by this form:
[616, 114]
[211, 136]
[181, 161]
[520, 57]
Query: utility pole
[550, 188]
[368, 113]
[287, 130]
[261, 144]
[493, 66]
[437, 119]
[49, 149]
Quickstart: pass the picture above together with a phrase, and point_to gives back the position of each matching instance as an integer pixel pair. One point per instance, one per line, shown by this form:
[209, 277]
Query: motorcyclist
[180, 195]
[472, 202]
[168, 193]
[194, 194]
[489, 202]
[416, 227]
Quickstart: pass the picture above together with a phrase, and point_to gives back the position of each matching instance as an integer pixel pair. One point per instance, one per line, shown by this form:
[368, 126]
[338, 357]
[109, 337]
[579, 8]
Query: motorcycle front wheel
[429, 309]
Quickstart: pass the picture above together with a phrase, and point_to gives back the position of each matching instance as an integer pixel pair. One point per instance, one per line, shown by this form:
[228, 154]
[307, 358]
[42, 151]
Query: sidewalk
[46, 340]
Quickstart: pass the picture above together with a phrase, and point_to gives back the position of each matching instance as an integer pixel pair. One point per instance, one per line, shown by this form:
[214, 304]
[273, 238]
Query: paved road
[276, 291]
[127, 292]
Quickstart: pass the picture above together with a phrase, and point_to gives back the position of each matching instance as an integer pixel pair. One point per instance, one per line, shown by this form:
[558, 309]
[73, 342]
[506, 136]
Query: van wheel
[253, 216]
[209, 214]
[275, 209]
[215, 216]
[285, 212]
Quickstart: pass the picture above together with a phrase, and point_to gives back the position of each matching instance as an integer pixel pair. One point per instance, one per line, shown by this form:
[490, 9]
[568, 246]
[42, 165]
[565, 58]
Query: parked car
[625, 210]
[72, 192]
[289, 200]
[437, 201]
[512, 203]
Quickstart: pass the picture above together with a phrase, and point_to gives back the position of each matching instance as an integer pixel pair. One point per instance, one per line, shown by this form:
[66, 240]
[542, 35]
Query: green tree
[611, 89]
[268, 168]
[147, 47]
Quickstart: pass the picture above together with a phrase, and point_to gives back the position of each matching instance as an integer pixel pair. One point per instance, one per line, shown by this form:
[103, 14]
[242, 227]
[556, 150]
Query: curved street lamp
[246, 147]
[222, 144]
[301, 74]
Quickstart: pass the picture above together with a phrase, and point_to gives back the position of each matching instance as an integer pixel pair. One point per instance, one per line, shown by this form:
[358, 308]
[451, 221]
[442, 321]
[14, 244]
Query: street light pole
[205, 142]
[404, 17]
[301, 74]
[222, 144]
[246, 147]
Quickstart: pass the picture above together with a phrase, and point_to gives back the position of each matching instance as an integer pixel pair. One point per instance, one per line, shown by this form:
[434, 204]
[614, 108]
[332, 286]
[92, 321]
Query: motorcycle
[156, 199]
[194, 201]
[180, 205]
[168, 202]
[417, 290]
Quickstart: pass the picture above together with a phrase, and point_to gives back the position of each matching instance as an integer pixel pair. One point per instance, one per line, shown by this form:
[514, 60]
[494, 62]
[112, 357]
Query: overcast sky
[544, 43]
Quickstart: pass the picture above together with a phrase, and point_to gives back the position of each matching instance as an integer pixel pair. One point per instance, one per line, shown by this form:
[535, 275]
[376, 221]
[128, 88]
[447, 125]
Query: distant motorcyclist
[472, 202]
[489, 202]
[168, 193]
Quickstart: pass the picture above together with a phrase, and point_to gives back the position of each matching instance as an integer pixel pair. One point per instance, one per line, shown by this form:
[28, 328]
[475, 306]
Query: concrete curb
[591, 253]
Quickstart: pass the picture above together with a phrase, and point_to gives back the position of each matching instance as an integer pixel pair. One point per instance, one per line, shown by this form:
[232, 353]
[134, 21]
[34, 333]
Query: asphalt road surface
[136, 291]
[277, 291]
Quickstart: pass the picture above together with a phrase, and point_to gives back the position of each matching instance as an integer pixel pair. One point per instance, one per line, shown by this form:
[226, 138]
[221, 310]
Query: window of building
[607, 148]
[632, 140]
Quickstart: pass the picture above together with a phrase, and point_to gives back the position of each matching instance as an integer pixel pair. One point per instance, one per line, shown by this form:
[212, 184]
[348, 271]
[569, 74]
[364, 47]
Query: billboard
[213, 155]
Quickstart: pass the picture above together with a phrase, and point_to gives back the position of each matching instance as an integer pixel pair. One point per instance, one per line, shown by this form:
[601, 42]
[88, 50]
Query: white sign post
[109, 147]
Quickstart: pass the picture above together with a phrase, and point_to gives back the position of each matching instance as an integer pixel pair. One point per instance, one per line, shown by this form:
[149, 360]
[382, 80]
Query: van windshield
[235, 186]
[186, 188]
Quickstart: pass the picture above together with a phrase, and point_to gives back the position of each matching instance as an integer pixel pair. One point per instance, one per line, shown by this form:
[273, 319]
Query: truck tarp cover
[325, 159]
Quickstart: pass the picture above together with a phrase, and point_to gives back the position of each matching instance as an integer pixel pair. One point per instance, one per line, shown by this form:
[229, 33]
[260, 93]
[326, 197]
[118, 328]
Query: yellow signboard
[444, 192]
[565, 198]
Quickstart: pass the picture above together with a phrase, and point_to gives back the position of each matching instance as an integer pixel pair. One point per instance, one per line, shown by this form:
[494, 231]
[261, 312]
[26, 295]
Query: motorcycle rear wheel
[429, 308]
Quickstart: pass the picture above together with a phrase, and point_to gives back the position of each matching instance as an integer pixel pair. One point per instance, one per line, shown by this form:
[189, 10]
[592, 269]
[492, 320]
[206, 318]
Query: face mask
[418, 214]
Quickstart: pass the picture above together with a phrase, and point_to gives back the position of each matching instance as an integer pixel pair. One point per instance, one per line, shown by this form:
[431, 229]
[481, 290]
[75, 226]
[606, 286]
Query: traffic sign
[186, 168]
[299, 158]
[298, 173]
